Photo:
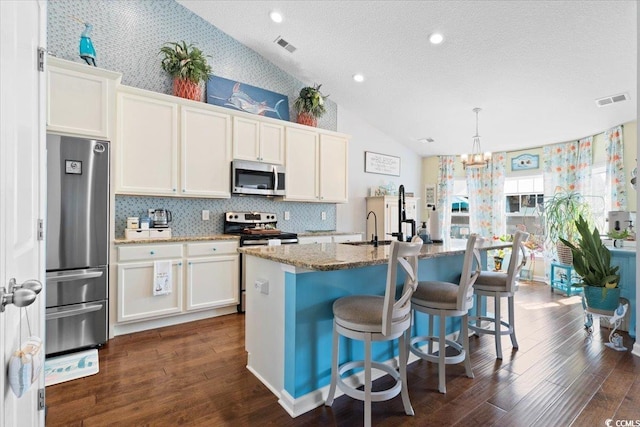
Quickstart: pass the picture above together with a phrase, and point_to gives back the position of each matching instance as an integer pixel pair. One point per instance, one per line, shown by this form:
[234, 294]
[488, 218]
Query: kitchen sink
[368, 243]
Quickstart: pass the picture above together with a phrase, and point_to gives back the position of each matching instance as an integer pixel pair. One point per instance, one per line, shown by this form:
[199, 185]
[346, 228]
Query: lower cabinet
[323, 238]
[204, 275]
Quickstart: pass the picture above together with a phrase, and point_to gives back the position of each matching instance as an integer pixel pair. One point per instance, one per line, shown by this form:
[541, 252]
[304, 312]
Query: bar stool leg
[334, 367]
[403, 341]
[432, 319]
[367, 380]
[498, 327]
[465, 344]
[479, 299]
[442, 387]
[512, 325]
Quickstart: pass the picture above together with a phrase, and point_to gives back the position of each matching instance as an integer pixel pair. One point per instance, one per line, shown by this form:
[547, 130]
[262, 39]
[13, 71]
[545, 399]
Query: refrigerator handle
[73, 312]
[75, 276]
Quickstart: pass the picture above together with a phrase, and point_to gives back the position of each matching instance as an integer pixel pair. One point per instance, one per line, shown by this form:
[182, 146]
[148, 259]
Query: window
[460, 210]
[524, 199]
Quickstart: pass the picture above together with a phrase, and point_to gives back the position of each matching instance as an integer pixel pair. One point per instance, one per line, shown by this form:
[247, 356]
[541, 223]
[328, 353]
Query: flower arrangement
[310, 105]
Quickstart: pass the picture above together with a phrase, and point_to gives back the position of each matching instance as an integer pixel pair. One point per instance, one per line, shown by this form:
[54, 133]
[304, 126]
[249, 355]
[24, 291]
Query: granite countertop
[176, 239]
[339, 256]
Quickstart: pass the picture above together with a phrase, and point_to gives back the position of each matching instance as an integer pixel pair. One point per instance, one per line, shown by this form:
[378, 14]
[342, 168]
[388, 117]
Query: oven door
[256, 178]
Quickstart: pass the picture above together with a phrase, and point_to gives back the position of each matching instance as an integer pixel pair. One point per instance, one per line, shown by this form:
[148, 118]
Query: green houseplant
[560, 213]
[188, 66]
[310, 105]
[592, 261]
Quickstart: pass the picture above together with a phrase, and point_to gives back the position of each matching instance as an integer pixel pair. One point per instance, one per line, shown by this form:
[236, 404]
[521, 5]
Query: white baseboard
[636, 349]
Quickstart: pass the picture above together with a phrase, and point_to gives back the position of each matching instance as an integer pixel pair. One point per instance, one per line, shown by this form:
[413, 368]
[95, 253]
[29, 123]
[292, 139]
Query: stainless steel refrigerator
[77, 243]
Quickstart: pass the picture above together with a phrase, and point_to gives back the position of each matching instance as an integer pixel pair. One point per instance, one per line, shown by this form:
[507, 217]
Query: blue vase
[598, 299]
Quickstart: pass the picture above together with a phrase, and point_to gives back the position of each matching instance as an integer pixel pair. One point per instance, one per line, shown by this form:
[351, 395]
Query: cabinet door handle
[152, 253]
[215, 249]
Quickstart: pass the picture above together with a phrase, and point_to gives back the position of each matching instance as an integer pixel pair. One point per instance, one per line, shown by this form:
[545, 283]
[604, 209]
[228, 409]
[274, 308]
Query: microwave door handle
[275, 176]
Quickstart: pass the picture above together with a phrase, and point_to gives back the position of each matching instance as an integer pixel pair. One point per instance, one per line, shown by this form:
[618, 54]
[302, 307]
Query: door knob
[20, 295]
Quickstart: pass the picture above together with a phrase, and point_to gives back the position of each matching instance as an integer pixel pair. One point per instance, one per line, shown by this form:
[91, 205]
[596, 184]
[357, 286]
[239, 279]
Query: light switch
[286, 216]
[205, 215]
[324, 216]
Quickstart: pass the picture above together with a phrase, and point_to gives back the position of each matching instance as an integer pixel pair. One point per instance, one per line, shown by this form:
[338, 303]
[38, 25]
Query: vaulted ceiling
[534, 67]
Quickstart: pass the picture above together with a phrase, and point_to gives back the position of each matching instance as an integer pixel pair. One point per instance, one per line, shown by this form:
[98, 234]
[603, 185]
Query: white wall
[364, 137]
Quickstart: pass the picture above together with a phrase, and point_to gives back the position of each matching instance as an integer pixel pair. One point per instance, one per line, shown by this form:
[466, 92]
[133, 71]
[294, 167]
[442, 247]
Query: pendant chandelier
[477, 159]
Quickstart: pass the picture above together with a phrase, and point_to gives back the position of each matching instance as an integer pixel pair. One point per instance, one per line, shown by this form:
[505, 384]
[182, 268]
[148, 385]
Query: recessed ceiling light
[358, 77]
[276, 16]
[436, 38]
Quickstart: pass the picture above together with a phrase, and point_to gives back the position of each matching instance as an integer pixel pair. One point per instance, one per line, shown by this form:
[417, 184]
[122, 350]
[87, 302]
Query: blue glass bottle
[87, 52]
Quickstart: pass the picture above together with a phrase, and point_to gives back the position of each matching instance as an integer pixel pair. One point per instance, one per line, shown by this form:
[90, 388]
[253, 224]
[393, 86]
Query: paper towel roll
[434, 226]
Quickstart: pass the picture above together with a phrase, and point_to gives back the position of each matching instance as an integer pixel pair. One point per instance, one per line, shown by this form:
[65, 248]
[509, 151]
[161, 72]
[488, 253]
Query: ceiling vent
[608, 100]
[426, 139]
[285, 44]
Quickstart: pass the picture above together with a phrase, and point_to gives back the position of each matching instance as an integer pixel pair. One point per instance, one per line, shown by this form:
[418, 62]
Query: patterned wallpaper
[127, 35]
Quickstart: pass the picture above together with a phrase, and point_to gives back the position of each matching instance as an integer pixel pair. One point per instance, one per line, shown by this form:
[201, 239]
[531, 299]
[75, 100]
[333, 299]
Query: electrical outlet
[150, 212]
[286, 216]
[324, 216]
[205, 215]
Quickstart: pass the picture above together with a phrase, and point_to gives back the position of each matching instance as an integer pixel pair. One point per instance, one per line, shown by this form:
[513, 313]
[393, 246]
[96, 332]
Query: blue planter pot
[602, 301]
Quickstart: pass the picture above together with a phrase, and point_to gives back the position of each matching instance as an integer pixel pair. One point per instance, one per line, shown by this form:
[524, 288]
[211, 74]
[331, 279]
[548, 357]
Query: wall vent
[285, 44]
[608, 100]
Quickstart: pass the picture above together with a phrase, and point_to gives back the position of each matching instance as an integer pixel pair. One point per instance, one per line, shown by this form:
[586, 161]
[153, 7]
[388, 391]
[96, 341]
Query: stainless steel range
[255, 229]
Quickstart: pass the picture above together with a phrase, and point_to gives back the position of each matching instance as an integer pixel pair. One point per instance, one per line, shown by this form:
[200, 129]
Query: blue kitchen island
[290, 290]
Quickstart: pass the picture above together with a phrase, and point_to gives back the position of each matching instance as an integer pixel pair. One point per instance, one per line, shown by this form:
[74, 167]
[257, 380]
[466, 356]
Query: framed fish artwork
[250, 99]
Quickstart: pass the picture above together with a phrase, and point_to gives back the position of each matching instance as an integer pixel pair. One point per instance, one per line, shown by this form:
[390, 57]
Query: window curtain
[486, 197]
[568, 166]
[615, 196]
[445, 194]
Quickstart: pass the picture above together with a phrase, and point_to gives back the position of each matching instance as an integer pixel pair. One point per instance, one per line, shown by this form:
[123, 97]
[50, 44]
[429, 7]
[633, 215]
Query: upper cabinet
[80, 99]
[170, 146]
[258, 141]
[317, 168]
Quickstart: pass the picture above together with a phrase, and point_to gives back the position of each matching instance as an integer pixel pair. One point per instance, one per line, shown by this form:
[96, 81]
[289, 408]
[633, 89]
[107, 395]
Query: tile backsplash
[187, 213]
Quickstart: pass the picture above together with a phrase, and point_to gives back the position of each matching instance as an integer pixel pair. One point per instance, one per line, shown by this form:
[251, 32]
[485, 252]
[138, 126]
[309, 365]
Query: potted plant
[497, 259]
[310, 105]
[560, 213]
[592, 261]
[618, 237]
[188, 66]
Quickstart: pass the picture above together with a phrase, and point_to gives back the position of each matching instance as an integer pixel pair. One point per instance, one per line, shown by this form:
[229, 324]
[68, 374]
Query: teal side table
[564, 278]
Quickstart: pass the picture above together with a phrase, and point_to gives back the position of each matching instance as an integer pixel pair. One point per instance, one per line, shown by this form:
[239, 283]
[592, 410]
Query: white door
[22, 163]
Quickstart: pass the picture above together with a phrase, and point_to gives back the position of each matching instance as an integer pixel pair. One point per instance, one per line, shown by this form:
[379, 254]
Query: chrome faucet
[374, 236]
[402, 217]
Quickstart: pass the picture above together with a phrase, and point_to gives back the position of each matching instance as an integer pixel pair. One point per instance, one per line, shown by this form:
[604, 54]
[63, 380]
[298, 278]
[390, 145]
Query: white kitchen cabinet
[172, 147]
[80, 99]
[305, 240]
[317, 168]
[205, 275]
[343, 238]
[212, 280]
[258, 141]
[386, 210]
[328, 238]
[206, 153]
[135, 291]
[147, 144]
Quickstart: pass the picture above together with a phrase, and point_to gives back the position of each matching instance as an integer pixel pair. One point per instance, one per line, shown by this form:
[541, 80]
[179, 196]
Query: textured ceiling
[534, 67]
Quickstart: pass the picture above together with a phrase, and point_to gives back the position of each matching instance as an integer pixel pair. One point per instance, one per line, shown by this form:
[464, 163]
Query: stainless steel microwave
[255, 178]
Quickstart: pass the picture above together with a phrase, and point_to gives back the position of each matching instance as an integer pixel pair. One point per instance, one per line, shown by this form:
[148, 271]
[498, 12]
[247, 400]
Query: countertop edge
[177, 239]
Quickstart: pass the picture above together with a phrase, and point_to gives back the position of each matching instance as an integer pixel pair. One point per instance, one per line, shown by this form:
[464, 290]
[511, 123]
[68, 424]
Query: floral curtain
[615, 196]
[445, 193]
[486, 197]
[568, 166]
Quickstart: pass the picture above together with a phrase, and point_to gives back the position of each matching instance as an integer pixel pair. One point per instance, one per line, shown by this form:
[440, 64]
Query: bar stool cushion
[361, 312]
[491, 280]
[436, 294]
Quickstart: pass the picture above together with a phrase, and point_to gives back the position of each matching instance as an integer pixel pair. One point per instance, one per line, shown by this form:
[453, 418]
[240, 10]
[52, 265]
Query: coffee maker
[161, 218]
[619, 220]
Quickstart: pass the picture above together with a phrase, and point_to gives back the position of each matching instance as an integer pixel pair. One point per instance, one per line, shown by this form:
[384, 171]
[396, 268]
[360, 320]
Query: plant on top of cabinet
[188, 66]
[310, 105]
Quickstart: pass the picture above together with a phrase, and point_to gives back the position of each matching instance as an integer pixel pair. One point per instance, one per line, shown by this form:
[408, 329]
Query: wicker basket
[565, 255]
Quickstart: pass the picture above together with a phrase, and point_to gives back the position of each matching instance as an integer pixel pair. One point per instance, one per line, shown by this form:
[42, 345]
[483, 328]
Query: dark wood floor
[195, 374]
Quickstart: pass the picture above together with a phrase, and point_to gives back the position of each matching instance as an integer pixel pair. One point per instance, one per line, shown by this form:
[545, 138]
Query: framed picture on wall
[381, 163]
[430, 195]
[525, 162]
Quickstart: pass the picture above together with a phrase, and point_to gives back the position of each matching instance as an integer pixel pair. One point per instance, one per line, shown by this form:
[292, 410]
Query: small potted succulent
[188, 66]
[310, 105]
